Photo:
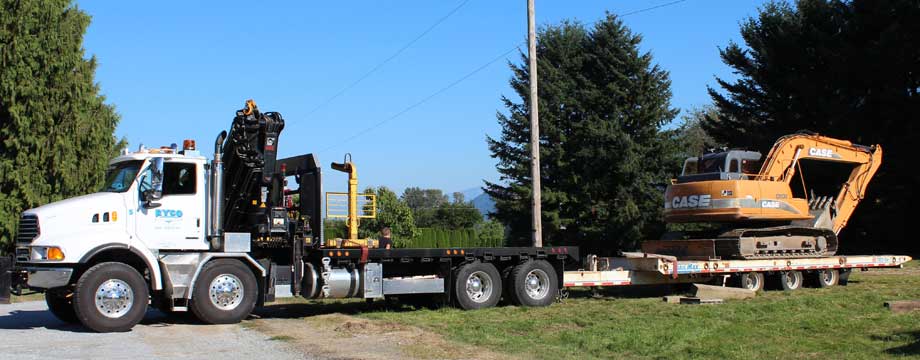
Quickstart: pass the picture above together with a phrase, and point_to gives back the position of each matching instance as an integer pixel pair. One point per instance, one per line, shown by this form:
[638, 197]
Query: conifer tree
[56, 131]
[602, 105]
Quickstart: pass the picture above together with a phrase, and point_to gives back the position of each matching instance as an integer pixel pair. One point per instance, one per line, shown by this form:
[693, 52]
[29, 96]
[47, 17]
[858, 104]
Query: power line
[424, 100]
[468, 75]
[652, 8]
[387, 60]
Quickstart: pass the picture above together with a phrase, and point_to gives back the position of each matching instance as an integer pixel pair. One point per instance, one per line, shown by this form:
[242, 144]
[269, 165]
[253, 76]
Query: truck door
[177, 223]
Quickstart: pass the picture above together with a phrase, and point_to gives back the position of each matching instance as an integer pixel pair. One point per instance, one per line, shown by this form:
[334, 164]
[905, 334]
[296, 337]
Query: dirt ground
[343, 336]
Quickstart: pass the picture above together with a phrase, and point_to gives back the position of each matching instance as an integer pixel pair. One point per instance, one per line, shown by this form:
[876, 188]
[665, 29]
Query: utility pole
[534, 127]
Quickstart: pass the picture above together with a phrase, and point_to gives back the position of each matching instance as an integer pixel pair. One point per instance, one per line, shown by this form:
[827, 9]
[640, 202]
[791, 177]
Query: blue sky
[179, 70]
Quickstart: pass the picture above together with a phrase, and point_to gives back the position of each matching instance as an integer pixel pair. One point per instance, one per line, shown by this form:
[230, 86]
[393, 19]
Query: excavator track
[780, 242]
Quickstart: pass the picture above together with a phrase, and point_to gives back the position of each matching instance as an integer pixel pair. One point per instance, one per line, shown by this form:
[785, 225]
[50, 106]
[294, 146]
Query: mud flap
[6, 279]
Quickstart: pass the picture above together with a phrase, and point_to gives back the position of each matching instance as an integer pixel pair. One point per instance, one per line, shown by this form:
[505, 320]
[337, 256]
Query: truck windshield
[119, 176]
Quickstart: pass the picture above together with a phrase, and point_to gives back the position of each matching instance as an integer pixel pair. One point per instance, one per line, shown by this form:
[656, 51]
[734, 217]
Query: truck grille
[28, 229]
[22, 254]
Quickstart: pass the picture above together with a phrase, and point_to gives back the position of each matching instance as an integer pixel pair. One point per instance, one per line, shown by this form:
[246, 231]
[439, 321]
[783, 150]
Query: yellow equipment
[756, 210]
[366, 210]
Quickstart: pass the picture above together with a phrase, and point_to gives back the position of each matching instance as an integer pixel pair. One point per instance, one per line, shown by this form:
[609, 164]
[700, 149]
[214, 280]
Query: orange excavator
[761, 210]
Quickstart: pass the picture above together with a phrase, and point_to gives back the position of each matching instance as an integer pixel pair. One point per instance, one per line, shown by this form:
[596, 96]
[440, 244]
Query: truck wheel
[110, 297]
[826, 278]
[225, 292]
[750, 280]
[477, 285]
[60, 303]
[533, 283]
[790, 280]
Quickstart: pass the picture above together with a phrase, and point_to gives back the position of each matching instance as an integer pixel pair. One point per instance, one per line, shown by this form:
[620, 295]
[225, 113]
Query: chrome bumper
[47, 278]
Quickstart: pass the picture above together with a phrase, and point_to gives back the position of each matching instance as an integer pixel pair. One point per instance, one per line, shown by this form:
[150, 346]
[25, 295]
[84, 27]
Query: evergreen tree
[602, 104]
[846, 69]
[56, 132]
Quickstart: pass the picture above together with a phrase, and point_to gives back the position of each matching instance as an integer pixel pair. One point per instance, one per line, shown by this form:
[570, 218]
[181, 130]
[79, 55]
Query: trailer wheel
[843, 277]
[477, 285]
[533, 283]
[826, 278]
[110, 297]
[750, 280]
[790, 280]
[60, 303]
[225, 292]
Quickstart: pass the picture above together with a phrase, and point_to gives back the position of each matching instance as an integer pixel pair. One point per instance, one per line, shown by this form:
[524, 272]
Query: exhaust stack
[217, 191]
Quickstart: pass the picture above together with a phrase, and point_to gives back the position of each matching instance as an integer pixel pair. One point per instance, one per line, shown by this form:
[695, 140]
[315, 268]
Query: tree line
[425, 218]
[846, 69]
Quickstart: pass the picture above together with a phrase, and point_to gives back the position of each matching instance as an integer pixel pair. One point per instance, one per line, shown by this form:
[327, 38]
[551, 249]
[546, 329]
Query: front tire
[225, 292]
[533, 283]
[111, 297]
[60, 303]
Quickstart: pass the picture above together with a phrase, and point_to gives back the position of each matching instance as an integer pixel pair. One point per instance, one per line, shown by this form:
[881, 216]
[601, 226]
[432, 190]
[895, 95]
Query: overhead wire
[387, 60]
[468, 75]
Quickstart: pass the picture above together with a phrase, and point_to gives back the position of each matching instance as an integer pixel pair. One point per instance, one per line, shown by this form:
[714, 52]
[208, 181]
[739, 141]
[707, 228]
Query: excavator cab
[727, 165]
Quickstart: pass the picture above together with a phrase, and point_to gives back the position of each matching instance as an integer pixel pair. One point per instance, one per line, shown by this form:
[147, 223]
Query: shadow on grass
[913, 348]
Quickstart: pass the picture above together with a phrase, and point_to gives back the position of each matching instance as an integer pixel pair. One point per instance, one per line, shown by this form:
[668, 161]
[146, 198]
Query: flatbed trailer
[788, 274]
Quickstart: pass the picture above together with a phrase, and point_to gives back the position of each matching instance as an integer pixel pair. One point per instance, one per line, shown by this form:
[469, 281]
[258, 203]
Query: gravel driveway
[29, 331]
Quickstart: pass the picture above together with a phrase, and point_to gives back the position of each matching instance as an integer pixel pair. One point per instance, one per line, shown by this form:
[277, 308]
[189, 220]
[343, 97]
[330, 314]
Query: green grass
[842, 322]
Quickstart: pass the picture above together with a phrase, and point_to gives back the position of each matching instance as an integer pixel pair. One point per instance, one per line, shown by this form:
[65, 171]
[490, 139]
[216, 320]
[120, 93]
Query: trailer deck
[651, 269]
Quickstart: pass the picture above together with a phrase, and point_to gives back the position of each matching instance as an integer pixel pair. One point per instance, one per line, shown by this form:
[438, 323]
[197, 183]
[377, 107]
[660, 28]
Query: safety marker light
[54, 253]
[114, 216]
[188, 144]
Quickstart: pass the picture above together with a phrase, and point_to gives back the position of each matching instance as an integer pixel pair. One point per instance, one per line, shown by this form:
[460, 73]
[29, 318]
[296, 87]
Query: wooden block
[903, 306]
[697, 301]
[722, 292]
[672, 299]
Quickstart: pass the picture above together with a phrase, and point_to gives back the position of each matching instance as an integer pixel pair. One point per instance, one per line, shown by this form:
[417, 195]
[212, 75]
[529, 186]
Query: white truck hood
[74, 213]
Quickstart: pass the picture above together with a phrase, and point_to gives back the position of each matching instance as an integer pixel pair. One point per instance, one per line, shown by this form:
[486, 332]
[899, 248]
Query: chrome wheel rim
[226, 291]
[114, 298]
[479, 287]
[792, 280]
[751, 282]
[827, 277]
[536, 284]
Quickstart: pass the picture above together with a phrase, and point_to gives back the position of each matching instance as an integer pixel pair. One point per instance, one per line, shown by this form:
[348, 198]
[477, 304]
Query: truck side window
[733, 166]
[178, 178]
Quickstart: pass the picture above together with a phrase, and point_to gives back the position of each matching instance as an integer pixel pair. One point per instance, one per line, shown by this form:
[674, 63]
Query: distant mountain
[480, 200]
[484, 204]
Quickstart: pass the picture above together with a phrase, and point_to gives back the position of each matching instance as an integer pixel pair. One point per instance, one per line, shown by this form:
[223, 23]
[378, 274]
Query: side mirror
[151, 195]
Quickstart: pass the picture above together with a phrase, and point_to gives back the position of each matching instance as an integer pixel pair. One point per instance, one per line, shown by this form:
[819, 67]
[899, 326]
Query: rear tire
[60, 303]
[790, 280]
[225, 292]
[826, 278]
[477, 285]
[533, 283]
[111, 297]
[750, 280]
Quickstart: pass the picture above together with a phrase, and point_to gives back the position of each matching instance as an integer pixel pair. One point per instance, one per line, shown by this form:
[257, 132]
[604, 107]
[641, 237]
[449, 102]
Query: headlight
[52, 253]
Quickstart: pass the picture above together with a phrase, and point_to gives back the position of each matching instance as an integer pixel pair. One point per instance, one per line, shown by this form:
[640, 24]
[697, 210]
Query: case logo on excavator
[828, 153]
[690, 201]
